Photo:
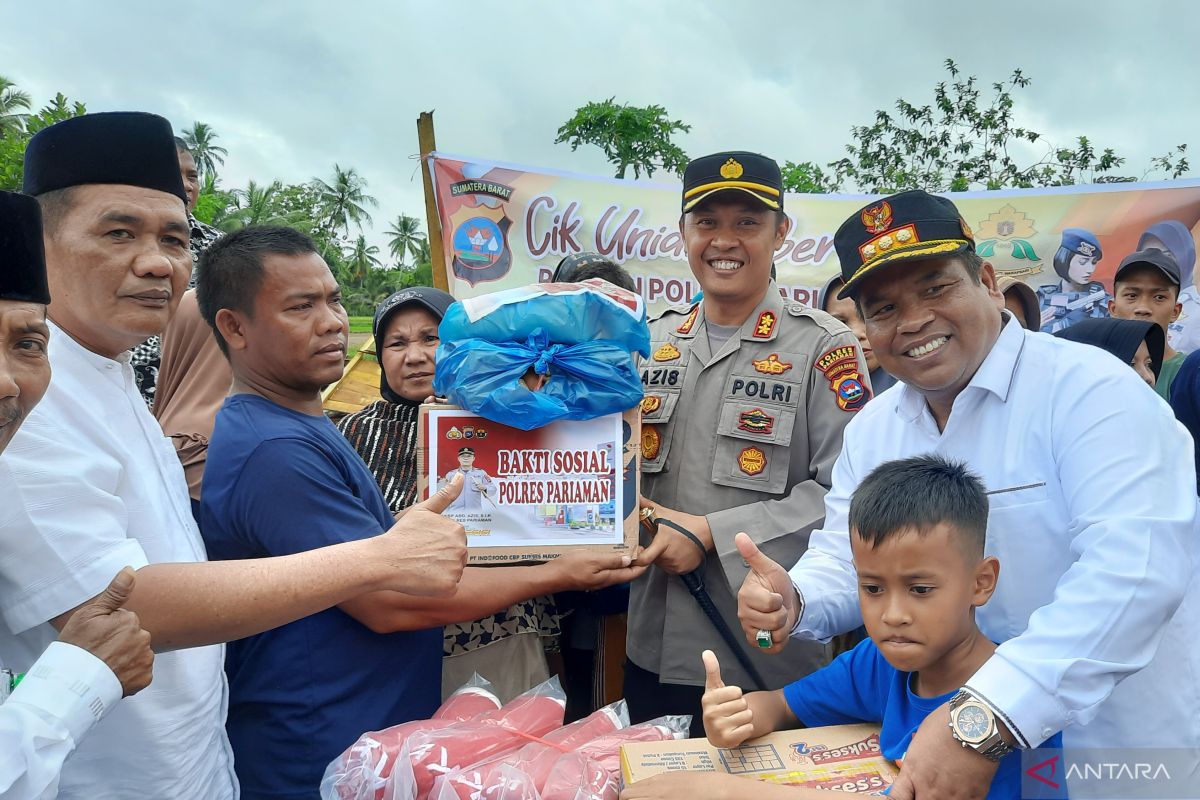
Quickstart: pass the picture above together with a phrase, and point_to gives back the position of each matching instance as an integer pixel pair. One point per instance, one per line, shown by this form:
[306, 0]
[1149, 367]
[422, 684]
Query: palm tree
[405, 238]
[361, 259]
[344, 200]
[12, 100]
[201, 140]
[256, 205]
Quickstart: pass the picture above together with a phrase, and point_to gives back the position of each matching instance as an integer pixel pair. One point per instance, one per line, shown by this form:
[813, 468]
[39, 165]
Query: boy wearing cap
[746, 396]
[1095, 618]
[1146, 287]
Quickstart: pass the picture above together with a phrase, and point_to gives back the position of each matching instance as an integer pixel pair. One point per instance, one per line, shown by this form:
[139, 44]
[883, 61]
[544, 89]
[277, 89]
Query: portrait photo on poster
[555, 485]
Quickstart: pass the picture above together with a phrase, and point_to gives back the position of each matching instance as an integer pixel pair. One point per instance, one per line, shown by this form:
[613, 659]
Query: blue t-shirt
[279, 482]
[861, 686]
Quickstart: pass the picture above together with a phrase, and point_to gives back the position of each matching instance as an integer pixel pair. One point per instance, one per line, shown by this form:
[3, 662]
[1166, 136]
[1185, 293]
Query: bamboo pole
[428, 144]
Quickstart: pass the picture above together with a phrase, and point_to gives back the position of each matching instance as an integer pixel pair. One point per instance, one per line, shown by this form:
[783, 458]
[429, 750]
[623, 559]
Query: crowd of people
[907, 507]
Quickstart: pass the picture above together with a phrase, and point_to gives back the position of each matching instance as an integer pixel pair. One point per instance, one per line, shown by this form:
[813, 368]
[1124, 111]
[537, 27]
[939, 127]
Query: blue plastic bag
[583, 335]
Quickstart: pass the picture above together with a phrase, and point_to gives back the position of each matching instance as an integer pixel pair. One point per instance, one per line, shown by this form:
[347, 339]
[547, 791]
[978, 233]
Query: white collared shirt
[90, 485]
[1093, 519]
[66, 692]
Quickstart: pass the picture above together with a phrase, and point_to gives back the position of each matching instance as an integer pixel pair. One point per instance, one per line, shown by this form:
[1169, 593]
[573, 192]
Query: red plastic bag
[537, 758]
[533, 760]
[498, 781]
[361, 772]
[431, 753]
[593, 771]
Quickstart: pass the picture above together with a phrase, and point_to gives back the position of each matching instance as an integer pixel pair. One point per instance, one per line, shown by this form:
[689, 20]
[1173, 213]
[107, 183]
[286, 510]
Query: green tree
[14, 107]
[256, 205]
[362, 259]
[629, 136]
[405, 238]
[343, 201]
[12, 145]
[201, 140]
[964, 140]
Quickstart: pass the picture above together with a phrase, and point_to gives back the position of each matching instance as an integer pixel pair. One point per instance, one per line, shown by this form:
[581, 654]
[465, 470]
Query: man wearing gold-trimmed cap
[1093, 611]
[746, 398]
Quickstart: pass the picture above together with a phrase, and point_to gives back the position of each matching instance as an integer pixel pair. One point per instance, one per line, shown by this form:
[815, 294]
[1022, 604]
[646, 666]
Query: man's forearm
[482, 591]
[196, 604]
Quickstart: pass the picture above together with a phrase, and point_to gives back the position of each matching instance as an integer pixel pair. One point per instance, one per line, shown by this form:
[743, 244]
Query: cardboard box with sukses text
[841, 757]
[533, 495]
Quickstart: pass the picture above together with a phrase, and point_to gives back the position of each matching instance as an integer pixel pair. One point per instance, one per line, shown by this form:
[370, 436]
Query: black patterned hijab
[385, 432]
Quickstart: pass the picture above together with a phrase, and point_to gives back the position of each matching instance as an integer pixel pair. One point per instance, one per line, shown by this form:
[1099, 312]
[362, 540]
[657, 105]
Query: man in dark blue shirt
[280, 480]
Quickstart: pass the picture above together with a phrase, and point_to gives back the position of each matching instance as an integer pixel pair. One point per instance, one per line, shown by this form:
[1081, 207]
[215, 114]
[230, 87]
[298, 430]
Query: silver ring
[763, 638]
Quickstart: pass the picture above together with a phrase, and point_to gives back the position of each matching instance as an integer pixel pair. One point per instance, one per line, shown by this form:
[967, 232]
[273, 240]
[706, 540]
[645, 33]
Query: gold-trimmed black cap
[754, 174]
[22, 253]
[122, 147]
[904, 227]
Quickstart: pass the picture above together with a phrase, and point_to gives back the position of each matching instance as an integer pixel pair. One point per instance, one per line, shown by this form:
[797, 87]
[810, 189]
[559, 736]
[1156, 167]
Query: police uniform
[476, 483]
[746, 436]
[1063, 306]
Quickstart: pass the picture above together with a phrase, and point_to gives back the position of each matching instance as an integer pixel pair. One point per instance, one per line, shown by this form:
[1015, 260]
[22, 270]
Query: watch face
[972, 723]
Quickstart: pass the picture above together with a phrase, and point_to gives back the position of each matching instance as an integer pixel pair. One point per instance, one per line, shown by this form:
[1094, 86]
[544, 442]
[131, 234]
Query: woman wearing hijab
[1185, 402]
[1137, 343]
[506, 647]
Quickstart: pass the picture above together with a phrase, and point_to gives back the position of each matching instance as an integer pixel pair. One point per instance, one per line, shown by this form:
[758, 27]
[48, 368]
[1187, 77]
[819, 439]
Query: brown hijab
[193, 381]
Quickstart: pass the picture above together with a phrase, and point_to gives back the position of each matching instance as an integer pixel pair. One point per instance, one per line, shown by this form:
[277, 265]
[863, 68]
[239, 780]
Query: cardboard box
[842, 757]
[531, 496]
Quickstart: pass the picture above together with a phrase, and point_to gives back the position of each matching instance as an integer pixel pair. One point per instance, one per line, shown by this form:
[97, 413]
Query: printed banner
[554, 485]
[505, 225]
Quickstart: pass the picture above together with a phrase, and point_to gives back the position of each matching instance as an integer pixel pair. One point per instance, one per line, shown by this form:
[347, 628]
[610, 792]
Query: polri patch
[651, 443]
[756, 421]
[752, 461]
[765, 325]
[668, 352]
[840, 368]
[771, 365]
[686, 327]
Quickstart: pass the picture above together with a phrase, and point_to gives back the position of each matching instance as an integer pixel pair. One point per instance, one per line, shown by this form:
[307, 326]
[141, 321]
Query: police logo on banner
[480, 244]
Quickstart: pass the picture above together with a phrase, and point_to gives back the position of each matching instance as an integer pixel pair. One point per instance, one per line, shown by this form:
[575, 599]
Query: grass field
[360, 324]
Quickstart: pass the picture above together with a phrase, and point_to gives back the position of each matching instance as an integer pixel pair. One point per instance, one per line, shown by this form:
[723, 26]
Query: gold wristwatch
[973, 725]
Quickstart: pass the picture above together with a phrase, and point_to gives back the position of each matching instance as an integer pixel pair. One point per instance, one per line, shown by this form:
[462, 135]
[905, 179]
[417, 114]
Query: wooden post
[427, 144]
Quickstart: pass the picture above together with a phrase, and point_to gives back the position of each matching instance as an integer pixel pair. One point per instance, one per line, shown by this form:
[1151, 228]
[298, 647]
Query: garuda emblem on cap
[876, 219]
[731, 170]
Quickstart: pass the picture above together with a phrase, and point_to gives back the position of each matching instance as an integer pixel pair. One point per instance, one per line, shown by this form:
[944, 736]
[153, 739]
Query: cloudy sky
[293, 87]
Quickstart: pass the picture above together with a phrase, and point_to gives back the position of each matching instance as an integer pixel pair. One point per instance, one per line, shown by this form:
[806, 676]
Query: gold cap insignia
[731, 170]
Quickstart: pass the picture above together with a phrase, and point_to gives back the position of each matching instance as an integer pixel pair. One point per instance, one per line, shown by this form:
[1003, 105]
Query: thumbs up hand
[767, 600]
[728, 720]
[113, 634]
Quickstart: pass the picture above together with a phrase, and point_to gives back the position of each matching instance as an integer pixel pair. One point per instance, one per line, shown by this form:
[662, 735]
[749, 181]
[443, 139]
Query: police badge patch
[752, 461]
[668, 352]
[651, 403]
[650, 443]
[756, 421]
[840, 368]
[771, 365]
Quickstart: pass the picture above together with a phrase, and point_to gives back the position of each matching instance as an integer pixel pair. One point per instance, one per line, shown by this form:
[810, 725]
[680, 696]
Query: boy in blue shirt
[918, 528]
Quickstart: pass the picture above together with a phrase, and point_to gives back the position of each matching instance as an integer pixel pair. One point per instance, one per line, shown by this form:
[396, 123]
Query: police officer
[476, 483]
[746, 396]
[1076, 296]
